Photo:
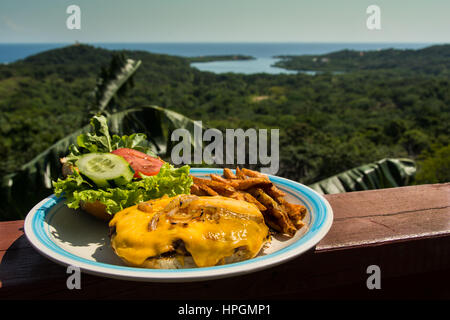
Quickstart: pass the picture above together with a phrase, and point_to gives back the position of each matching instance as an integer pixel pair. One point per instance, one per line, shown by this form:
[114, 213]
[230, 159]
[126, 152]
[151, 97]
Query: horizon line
[231, 42]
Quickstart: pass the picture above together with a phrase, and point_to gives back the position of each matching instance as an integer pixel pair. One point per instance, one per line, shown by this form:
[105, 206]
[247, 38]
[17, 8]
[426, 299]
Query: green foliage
[386, 173]
[100, 140]
[432, 60]
[436, 168]
[113, 82]
[414, 141]
[328, 122]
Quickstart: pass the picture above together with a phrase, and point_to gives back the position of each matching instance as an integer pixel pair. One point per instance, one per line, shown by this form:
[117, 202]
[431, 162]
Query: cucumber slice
[105, 169]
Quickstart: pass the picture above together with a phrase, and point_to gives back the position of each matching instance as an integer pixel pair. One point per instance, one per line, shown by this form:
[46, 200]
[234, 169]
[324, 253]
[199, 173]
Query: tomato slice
[140, 162]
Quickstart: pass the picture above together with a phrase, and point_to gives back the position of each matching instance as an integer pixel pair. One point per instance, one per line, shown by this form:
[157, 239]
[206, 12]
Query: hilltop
[81, 60]
[433, 60]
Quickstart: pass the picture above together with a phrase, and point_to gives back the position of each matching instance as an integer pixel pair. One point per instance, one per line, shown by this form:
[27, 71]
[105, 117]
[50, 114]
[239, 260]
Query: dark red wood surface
[405, 231]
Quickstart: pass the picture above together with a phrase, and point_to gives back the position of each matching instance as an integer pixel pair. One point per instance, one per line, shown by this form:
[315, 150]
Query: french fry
[208, 190]
[218, 178]
[252, 173]
[240, 174]
[250, 183]
[228, 174]
[282, 220]
[297, 211]
[273, 191]
[249, 198]
[294, 212]
[220, 187]
[195, 189]
[274, 210]
[271, 222]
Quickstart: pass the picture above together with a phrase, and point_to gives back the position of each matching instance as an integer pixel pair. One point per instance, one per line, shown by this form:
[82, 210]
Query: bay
[263, 53]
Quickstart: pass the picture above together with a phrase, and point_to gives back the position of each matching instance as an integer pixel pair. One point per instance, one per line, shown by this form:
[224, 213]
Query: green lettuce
[169, 181]
[100, 140]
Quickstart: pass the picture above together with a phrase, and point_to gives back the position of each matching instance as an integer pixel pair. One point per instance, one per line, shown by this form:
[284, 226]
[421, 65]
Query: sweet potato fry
[273, 191]
[195, 189]
[220, 187]
[218, 178]
[295, 213]
[250, 183]
[283, 220]
[253, 174]
[240, 174]
[298, 223]
[208, 190]
[303, 211]
[249, 198]
[228, 174]
[262, 197]
[271, 222]
[274, 210]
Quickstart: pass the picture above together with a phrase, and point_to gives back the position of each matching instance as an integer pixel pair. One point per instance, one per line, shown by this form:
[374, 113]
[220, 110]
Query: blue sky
[224, 21]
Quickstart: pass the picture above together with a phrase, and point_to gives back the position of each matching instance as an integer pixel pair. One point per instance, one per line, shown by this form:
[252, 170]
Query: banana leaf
[21, 190]
[111, 84]
[386, 173]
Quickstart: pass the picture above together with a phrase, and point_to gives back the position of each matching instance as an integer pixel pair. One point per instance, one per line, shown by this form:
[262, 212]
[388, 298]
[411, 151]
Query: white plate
[75, 238]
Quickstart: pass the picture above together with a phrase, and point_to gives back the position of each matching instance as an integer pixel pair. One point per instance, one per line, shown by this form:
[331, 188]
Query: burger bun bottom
[96, 209]
[184, 262]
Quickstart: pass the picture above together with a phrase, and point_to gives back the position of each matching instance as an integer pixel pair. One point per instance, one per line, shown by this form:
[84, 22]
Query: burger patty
[180, 250]
[174, 260]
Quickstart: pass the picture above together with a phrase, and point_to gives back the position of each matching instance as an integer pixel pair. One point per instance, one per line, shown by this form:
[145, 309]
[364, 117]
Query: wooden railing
[404, 231]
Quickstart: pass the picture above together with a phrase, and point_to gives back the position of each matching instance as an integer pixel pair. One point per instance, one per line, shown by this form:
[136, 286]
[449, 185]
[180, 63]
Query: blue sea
[263, 52]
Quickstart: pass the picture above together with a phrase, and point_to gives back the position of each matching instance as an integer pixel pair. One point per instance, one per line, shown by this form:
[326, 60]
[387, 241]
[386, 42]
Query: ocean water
[258, 65]
[263, 52]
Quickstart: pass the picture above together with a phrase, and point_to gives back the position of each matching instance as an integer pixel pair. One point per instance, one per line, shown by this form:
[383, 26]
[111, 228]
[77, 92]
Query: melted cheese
[208, 242]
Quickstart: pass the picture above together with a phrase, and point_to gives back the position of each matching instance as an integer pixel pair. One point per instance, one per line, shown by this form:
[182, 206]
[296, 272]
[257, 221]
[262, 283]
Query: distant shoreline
[231, 57]
[246, 58]
[354, 60]
[11, 52]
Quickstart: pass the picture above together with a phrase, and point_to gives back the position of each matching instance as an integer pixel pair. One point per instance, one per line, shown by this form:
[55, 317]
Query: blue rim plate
[76, 239]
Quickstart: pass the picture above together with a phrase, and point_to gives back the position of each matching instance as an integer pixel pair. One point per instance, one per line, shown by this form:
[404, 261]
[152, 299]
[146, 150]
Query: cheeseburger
[188, 231]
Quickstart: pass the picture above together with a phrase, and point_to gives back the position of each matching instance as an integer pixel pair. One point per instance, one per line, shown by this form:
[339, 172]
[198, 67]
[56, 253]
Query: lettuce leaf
[169, 181]
[100, 140]
[136, 141]
[97, 141]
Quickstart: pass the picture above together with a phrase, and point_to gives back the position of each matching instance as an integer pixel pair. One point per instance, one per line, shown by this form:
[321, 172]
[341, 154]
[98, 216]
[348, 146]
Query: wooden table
[404, 231]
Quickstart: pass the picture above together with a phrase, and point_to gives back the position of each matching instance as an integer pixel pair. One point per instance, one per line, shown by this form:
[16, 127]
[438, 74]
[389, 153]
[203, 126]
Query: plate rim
[37, 239]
